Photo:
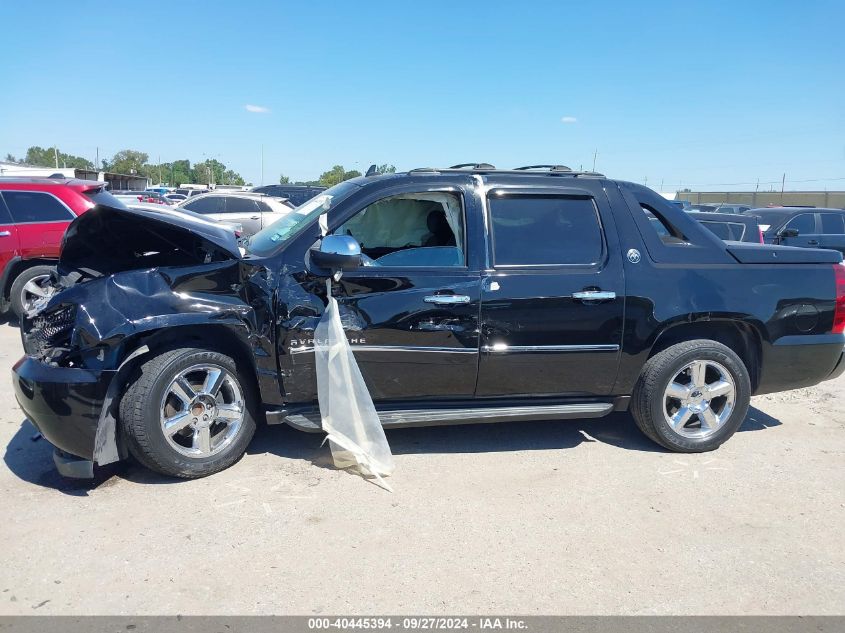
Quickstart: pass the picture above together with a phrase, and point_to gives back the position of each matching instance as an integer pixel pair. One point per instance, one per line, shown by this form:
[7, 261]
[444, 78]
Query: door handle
[445, 300]
[813, 242]
[5, 233]
[255, 217]
[594, 295]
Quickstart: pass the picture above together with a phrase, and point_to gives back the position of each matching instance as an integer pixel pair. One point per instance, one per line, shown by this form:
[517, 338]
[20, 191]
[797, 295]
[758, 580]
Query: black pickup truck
[468, 294]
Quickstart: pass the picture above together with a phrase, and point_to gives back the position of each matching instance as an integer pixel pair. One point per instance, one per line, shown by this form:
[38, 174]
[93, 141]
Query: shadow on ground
[31, 458]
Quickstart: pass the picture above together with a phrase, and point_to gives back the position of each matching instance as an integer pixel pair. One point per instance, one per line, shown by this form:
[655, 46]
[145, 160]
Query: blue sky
[683, 93]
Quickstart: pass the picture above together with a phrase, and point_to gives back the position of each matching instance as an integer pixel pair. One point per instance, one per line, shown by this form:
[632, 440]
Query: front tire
[692, 396]
[28, 287]
[188, 413]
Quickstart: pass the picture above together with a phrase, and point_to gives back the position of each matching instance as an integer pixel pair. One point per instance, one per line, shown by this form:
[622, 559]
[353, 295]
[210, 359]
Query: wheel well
[18, 267]
[742, 338]
[215, 337]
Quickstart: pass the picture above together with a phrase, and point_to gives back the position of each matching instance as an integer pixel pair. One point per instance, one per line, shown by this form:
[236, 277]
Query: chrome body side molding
[503, 348]
[395, 348]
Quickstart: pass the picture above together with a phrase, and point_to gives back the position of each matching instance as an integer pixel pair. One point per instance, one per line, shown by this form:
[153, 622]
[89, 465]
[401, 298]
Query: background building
[116, 181]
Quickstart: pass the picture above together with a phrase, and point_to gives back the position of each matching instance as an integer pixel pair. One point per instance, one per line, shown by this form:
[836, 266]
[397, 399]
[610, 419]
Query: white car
[253, 211]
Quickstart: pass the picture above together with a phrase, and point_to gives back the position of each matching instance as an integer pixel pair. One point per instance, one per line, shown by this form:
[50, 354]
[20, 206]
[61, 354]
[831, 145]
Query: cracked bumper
[63, 403]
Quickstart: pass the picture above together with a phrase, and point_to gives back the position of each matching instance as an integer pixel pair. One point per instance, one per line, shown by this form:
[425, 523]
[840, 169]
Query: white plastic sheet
[355, 434]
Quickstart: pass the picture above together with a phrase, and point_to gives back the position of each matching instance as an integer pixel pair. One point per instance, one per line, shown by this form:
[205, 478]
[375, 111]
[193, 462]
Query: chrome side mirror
[337, 253]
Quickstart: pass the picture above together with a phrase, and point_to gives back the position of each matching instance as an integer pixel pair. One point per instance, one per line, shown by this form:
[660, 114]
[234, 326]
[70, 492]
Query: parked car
[297, 194]
[705, 208]
[469, 295]
[732, 208]
[731, 227]
[252, 210]
[34, 213]
[128, 196]
[807, 227]
[175, 197]
[189, 192]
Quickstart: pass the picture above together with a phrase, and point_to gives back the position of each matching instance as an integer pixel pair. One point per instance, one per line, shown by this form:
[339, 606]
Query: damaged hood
[107, 240]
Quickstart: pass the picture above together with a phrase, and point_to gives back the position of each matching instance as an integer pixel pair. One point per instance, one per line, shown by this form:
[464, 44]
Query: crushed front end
[120, 275]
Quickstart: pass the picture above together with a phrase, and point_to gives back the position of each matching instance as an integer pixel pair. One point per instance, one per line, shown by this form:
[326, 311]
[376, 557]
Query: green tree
[385, 169]
[336, 175]
[284, 180]
[46, 157]
[11, 159]
[129, 161]
[230, 177]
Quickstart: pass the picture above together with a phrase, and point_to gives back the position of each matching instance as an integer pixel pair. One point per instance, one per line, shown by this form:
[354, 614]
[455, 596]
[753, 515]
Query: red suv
[34, 213]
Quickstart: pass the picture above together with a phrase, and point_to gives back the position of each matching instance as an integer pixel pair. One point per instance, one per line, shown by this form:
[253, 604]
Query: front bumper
[65, 404]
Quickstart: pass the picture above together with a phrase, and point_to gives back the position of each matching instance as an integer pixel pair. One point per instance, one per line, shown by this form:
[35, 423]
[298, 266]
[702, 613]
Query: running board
[309, 419]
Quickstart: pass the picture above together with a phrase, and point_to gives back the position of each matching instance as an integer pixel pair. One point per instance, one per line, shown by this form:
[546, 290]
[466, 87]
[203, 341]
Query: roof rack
[549, 167]
[473, 166]
[555, 170]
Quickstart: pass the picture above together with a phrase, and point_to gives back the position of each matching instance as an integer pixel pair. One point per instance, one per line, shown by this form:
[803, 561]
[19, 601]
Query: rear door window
[36, 206]
[545, 230]
[833, 223]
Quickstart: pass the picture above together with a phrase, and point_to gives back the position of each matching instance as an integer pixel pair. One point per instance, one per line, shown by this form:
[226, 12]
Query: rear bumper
[794, 362]
[63, 403]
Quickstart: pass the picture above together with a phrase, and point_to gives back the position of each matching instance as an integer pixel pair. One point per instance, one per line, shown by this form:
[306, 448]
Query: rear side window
[263, 207]
[34, 206]
[833, 223]
[213, 204]
[240, 205]
[805, 223]
[534, 230]
[666, 232]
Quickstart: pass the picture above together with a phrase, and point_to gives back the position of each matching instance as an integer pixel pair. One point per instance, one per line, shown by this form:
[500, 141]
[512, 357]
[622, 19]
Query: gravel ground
[578, 517]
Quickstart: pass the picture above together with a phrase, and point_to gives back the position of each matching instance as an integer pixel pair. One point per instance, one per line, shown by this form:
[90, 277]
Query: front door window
[412, 229]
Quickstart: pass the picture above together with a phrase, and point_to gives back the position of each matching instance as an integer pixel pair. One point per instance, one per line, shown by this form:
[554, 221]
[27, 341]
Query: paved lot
[580, 517]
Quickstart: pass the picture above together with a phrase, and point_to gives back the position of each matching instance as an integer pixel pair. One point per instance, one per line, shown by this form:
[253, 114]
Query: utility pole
[262, 163]
[595, 155]
[782, 186]
[56, 154]
[159, 169]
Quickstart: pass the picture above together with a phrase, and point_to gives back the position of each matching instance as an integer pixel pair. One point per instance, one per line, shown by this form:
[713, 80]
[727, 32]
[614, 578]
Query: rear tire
[692, 396]
[188, 413]
[27, 287]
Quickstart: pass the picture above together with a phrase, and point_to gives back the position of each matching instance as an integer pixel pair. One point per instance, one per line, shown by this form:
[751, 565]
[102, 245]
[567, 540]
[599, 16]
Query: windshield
[269, 239]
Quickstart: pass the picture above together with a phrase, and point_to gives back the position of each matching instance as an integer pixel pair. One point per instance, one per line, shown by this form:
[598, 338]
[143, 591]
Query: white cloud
[257, 109]
[568, 119]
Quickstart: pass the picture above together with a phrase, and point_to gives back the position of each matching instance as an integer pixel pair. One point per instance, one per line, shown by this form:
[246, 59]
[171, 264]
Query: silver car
[253, 211]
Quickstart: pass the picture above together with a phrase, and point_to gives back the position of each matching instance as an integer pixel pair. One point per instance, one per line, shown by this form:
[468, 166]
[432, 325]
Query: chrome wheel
[202, 411]
[34, 291]
[699, 399]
